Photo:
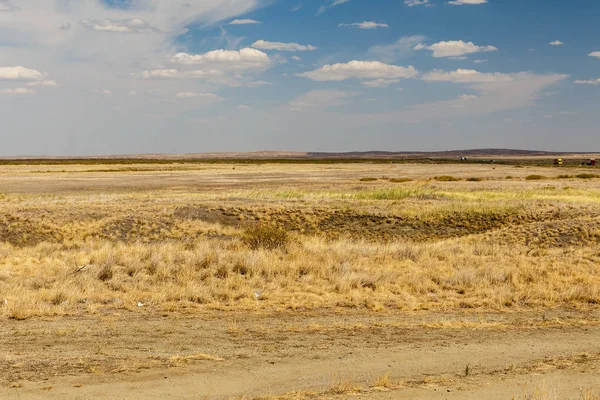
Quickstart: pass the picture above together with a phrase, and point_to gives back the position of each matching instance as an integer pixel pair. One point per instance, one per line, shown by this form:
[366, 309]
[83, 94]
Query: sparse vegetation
[446, 178]
[534, 177]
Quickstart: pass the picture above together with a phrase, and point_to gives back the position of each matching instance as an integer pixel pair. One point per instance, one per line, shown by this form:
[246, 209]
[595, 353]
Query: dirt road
[220, 355]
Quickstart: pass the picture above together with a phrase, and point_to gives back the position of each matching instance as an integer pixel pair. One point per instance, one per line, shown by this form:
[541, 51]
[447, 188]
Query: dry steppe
[267, 280]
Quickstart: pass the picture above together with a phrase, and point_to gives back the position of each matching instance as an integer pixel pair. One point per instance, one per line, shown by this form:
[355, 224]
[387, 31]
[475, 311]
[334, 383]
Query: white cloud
[591, 82]
[129, 25]
[17, 91]
[331, 4]
[296, 58]
[556, 43]
[480, 61]
[365, 25]
[467, 2]
[20, 74]
[207, 97]
[494, 92]
[360, 70]
[243, 107]
[266, 45]
[321, 98]
[161, 74]
[377, 83]
[403, 47]
[412, 3]
[595, 54]
[454, 48]
[43, 83]
[244, 22]
[6, 6]
[246, 58]
[466, 76]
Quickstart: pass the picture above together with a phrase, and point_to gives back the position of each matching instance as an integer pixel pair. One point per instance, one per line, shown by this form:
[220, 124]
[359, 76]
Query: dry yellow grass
[320, 240]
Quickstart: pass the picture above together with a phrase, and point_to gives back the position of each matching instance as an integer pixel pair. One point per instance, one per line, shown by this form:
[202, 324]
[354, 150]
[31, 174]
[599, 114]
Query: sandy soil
[222, 355]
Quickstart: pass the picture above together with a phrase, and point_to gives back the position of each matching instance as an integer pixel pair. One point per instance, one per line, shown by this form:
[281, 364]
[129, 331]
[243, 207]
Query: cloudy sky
[85, 77]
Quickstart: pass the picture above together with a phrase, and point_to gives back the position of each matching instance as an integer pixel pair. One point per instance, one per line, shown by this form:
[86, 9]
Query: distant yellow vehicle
[558, 161]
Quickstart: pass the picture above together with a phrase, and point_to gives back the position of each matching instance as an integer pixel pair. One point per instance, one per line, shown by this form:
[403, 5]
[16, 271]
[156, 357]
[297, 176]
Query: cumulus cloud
[360, 70]
[246, 58]
[42, 83]
[244, 22]
[331, 4]
[590, 82]
[403, 47]
[266, 45]
[378, 83]
[17, 92]
[412, 3]
[129, 25]
[365, 25]
[20, 74]
[467, 2]
[296, 58]
[454, 48]
[556, 43]
[595, 54]
[161, 74]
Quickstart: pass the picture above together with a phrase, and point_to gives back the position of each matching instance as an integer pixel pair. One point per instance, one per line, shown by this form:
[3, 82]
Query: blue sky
[85, 77]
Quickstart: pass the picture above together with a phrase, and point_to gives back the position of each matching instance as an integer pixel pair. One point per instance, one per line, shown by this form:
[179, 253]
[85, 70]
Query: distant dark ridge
[285, 155]
[448, 153]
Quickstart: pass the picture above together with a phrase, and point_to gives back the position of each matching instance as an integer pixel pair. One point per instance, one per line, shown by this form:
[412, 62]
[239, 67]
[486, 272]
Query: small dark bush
[446, 178]
[266, 237]
[400, 180]
[565, 176]
[105, 273]
[368, 179]
[510, 177]
[474, 179]
[586, 176]
[534, 177]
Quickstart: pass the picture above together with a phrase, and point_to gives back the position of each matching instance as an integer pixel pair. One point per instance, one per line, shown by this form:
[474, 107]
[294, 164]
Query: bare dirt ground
[318, 356]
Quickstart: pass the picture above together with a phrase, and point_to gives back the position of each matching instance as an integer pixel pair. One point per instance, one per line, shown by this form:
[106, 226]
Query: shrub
[534, 177]
[368, 179]
[474, 179]
[446, 178]
[267, 237]
[510, 177]
[565, 176]
[400, 180]
[586, 176]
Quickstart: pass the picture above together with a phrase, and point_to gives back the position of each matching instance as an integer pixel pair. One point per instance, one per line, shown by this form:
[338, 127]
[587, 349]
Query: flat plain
[299, 281]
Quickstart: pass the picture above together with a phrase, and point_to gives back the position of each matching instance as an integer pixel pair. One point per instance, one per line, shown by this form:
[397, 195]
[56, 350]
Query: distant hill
[288, 155]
